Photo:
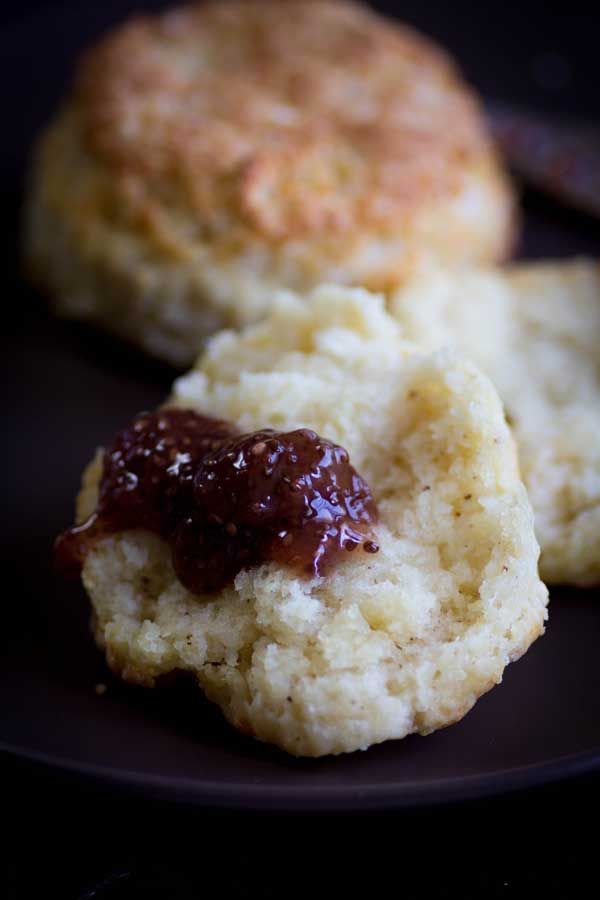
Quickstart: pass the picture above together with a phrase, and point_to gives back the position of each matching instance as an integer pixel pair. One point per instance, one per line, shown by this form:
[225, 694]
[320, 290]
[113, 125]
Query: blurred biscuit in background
[213, 154]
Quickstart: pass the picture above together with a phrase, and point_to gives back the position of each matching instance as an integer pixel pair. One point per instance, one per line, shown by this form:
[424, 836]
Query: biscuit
[534, 329]
[403, 640]
[210, 155]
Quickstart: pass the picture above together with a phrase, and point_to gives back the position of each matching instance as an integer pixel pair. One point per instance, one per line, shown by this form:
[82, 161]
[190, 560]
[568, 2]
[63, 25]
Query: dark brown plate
[66, 390]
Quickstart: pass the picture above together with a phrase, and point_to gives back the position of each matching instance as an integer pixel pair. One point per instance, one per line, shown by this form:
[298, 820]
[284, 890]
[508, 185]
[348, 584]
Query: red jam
[224, 501]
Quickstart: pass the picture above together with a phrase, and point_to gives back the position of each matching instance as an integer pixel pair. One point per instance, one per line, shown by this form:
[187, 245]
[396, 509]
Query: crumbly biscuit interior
[534, 329]
[400, 641]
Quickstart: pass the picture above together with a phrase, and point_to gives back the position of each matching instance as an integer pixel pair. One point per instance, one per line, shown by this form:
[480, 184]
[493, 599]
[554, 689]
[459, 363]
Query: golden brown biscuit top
[284, 118]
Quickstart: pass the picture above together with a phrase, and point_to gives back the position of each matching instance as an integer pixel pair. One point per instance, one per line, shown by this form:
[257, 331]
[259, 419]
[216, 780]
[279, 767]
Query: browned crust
[279, 118]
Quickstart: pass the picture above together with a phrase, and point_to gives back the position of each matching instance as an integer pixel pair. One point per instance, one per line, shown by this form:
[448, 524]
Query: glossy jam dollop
[226, 501]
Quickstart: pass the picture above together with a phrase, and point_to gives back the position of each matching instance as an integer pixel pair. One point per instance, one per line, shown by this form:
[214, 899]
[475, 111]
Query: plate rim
[246, 796]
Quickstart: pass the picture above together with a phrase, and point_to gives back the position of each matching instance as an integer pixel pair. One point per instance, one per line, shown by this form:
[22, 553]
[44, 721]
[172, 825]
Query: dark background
[69, 840]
